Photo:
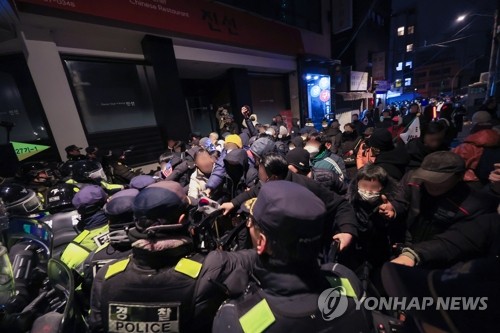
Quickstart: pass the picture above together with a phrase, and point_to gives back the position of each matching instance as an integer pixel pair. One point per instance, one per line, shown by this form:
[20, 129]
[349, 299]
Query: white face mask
[313, 151]
[368, 196]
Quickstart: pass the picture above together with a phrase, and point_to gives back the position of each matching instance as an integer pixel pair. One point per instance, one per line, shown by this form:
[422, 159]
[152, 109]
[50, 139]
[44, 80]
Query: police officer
[91, 172]
[163, 286]
[122, 173]
[288, 280]
[73, 153]
[93, 226]
[120, 219]
[63, 216]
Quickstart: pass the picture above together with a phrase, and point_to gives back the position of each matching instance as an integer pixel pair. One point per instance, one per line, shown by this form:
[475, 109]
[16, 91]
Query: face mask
[313, 151]
[324, 126]
[369, 196]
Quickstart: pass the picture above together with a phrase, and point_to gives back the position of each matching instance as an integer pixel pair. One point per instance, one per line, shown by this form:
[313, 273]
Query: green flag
[25, 150]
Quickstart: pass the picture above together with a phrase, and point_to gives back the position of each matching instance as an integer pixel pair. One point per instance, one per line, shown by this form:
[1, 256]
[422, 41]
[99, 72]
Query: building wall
[43, 39]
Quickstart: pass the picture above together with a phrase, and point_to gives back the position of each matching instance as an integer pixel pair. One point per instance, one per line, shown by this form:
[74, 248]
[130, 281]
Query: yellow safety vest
[78, 250]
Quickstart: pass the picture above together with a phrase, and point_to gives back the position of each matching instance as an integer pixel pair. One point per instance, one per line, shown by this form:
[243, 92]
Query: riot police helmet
[19, 200]
[87, 171]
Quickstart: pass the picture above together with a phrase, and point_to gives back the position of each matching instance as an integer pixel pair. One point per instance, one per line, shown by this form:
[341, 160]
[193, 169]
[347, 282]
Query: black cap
[439, 166]
[160, 201]
[72, 147]
[279, 212]
[119, 208]
[299, 158]
[88, 196]
[142, 181]
[91, 150]
[262, 146]
[381, 139]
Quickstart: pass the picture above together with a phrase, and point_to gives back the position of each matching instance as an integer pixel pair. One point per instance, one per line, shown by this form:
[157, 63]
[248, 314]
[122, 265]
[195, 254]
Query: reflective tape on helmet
[116, 268]
[189, 267]
[258, 318]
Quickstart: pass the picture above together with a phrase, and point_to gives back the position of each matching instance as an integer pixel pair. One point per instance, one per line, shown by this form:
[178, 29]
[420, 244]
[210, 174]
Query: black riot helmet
[35, 172]
[19, 200]
[87, 171]
[59, 198]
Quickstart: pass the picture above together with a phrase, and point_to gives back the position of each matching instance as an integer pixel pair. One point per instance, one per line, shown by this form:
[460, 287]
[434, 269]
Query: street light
[464, 16]
[494, 60]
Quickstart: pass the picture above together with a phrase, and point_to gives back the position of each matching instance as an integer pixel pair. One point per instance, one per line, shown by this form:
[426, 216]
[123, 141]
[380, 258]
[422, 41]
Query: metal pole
[491, 87]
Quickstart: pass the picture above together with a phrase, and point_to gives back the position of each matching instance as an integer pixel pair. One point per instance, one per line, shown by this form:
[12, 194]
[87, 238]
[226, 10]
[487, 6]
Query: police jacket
[106, 253]
[94, 234]
[287, 299]
[169, 290]
[122, 173]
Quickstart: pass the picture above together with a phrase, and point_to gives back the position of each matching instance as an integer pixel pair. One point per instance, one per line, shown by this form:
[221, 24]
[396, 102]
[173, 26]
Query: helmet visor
[98, 175]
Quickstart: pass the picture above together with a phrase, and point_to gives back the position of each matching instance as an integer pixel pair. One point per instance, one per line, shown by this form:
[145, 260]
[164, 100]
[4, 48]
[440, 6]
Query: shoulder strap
[258, 318]
[116, 268]
[189, 267]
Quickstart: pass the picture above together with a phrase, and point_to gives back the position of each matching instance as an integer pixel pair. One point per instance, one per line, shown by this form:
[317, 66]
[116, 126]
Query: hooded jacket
[472, 149]
[335, 135]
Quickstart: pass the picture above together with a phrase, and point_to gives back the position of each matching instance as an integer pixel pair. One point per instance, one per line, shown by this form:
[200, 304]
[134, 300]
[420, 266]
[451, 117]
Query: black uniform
[163, 286]
[291, 292]
[122, 173]
[183, 293]
[286, 302]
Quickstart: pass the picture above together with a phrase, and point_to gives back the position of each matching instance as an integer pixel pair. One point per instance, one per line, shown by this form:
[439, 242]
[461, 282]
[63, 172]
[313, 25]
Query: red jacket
[472, 149]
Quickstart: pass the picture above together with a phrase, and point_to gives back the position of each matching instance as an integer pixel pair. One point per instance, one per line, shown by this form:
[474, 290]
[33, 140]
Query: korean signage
[359, 81]
[204, 20]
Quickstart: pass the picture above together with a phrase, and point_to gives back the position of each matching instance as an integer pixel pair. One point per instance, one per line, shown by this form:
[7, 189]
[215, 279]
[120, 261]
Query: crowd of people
[300, 191]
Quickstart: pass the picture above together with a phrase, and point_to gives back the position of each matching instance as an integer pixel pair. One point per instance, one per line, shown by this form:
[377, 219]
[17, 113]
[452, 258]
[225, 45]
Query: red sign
[324, 96]
[203, 20]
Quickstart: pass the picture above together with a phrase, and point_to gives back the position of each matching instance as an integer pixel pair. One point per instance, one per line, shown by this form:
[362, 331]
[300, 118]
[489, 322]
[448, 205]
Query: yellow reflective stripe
[342, 282]
[74, 255]
[189, 267]
[71, 182]
[258, 318]
[109, 186]
[81, 236]
[116, 268]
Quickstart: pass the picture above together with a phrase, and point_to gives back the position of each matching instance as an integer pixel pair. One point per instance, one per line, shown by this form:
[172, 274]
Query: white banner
[412, 132]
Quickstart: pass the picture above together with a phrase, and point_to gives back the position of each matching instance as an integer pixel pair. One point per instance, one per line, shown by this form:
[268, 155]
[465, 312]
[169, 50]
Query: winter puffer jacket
[472, 149]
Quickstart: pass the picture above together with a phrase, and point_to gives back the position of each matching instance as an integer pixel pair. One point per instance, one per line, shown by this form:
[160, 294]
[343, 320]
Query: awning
[353, 96]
